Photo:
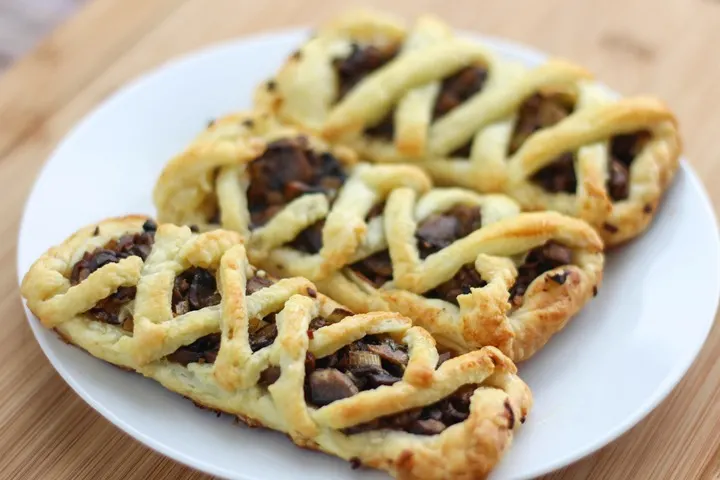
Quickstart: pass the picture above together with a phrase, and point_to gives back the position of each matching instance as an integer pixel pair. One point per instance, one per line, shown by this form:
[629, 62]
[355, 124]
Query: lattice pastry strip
[369, 388]
[474, 271]
[299, 203]
[463, 114]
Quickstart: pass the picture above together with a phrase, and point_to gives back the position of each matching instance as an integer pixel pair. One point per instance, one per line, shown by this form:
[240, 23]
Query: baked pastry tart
[304, 206]
[474, 271]
[188, 310]
[549, 136]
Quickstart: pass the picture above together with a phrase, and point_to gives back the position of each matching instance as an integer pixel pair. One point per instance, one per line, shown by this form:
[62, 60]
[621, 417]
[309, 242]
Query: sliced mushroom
[560, 254]
[256, 283]
[269, 376]
[328, 385]
[427, 427]
[263, 337]
[386, 351]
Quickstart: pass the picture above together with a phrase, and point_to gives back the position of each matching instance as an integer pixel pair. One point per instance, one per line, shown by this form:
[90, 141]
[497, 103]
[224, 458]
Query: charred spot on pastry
[248, 123]
[458, 88]
[296, 55]
[288, 169]
[96, 232]
[112, 309]
[271, 85]
[432, 419]
[210, 122]
[194, 229]
[609, 227]
[523, 419]
[624, 149]
[595, 290]
[647, 208]
[560, 277]
[510, 414]
[539, 260]
[355, 463]
[194, 289]
[312, 293]
[359, 63]
[365, 364]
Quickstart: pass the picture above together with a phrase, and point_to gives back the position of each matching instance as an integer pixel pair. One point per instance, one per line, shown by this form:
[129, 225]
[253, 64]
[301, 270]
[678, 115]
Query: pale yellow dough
[304, 92]
[468, 450]
[483, 316]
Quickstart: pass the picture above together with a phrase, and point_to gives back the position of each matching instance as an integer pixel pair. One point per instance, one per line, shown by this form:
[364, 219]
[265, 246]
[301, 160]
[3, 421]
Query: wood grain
[661, 47]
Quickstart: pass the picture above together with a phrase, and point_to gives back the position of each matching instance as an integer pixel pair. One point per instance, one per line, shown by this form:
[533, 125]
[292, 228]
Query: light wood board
[663, 47]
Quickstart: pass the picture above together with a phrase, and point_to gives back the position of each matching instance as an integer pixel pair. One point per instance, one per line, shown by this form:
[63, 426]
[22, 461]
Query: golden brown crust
[484, 316]
[211, 174]
[469, 449]
[408, 85]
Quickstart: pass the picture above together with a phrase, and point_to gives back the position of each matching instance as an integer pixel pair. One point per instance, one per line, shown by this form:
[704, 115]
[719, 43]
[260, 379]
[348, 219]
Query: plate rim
[662, 391]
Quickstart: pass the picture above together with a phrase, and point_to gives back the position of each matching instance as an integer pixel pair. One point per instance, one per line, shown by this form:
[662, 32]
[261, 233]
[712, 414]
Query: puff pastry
[474, 271]
[300, 203]
[549, 136]
[188, 310]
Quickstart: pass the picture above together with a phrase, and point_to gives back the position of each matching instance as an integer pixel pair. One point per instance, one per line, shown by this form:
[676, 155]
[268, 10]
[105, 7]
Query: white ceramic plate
[609, 368]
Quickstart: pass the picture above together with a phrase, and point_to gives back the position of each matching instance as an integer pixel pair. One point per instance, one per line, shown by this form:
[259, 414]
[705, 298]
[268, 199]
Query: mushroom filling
[377, 268]
[440, 230]
[112, 309]
[455, 90]
[536, 113]
[194, 289]
[288, 169]
[623, 150]
[365, 364]
[429, 420]
[374, 361]
[362, 61]
[538, 261]
[266, 335]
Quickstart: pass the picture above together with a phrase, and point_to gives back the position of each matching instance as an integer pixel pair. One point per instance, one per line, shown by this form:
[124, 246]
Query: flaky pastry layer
[61, 294]
[470, 143]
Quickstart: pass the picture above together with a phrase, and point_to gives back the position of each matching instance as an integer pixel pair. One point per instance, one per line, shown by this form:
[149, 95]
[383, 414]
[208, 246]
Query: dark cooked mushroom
[328, 385]
[538, 261]
[202, 350]
[441, 229]
[557, 253]
[256, 283]
[376, 269]
[263, 337]
[427, 427]
[269, 376]
[618, 183]
[194, 289]
[390, 354]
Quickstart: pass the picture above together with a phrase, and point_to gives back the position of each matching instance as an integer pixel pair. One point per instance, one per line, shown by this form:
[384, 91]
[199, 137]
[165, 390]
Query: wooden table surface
[663, 47]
